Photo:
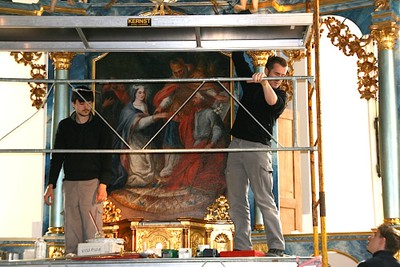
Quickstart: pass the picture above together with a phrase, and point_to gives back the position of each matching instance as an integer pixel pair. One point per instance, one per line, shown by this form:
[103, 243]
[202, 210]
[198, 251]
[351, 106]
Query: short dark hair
[273, 60]
[82, 93]
[177, 61]
[392, 237]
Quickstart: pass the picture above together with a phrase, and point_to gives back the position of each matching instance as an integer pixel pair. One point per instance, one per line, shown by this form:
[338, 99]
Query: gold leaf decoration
[110, 212]
[38, 90]
[350, 45]
[218, 211]
[292, 56]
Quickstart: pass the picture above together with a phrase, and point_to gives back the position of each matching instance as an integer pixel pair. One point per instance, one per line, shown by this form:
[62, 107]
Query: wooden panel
[287, 215]
[289, 176]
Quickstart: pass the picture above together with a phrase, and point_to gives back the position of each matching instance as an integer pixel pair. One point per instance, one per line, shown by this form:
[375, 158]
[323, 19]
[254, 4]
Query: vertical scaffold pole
[314, 205]
[324, 243]
[310, 96]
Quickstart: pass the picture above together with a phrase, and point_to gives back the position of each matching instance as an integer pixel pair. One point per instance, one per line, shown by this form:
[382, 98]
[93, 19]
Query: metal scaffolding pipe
[219, 80]
[203, 81]
[180, 4]
[164, 80]
[295, 126]
[154, 151]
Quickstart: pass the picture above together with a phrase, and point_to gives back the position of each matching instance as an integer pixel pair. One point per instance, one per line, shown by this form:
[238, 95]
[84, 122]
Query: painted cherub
[243, 6]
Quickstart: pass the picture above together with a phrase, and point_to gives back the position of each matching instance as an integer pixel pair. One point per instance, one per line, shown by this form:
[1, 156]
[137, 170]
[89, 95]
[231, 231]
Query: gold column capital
[381, 5]
[62, 60]
[260, 58]
[56, 230]
[392, 221]
[294, 55]
[386, 34]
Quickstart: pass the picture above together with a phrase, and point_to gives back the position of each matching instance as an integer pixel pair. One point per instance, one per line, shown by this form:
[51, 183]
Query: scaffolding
[179, 33]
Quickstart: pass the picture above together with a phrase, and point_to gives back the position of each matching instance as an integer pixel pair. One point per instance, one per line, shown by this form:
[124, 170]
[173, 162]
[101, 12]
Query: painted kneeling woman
[136, 126]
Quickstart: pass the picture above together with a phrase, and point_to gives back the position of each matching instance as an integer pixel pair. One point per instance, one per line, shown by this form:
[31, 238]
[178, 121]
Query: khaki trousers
[79, 202]
[253, 169]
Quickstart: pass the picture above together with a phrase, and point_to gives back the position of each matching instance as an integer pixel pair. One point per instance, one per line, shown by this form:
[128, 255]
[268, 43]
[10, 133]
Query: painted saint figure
[136, 126]
[170, 98]
[205, 129]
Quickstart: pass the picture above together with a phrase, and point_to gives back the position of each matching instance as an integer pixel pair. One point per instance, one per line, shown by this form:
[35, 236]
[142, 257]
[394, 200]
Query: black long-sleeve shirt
[93, 134]
[253, 100]
[381, 258]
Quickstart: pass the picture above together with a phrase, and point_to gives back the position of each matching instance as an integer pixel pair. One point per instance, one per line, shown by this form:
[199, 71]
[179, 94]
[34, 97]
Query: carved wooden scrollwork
[350, 45]
[218, 211]
[292, 57]
[110, 212]
[38, 90]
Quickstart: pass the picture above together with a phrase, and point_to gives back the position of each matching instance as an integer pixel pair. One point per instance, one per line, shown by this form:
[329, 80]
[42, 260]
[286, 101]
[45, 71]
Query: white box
[98, 248]
[185, 253]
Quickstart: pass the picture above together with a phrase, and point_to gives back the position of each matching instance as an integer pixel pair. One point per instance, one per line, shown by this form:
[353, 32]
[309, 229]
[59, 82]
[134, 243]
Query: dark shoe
[245, 12]
[274, 252]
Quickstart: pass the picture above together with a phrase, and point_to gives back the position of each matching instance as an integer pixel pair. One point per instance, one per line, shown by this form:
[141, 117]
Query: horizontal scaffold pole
[166, 80]
[155, 151]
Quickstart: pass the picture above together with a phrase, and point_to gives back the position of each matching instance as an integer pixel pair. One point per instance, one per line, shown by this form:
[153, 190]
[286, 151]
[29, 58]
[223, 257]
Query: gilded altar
[215, 230]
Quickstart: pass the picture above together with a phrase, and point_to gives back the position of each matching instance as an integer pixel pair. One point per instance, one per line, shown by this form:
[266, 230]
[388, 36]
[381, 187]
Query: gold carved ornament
[169, 238]
[196, 239]
[222, 242]
[381, 5]
[349, 44]
[27, 58]
[38, 90]
[110, 212]
[293, 56]
[218, 211]
[56, 252]
[142, 245]
[161, 8]
[260, 58]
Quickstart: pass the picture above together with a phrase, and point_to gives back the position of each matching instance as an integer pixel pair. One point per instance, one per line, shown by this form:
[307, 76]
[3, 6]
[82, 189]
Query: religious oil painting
[174, 113]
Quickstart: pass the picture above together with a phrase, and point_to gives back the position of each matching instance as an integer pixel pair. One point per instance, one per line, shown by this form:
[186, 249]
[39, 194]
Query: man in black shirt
[266, 101]
[383, 244]
[86, 174]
